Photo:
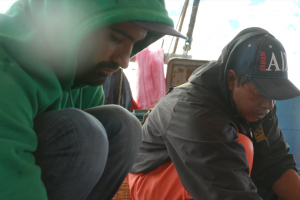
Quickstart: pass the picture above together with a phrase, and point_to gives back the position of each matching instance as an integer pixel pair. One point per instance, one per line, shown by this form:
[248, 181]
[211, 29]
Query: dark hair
[242, 80]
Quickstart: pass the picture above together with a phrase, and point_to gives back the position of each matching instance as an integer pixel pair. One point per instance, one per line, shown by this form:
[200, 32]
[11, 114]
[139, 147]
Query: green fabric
[39, 42]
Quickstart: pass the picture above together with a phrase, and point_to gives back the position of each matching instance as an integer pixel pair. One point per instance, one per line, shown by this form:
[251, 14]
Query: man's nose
[122, 56]
[268, 103]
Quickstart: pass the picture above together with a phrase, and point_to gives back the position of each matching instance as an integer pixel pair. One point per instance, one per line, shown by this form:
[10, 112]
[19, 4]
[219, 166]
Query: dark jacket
[195, 125]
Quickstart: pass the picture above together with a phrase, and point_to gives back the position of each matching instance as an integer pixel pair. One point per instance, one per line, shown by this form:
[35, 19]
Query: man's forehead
[129, 30]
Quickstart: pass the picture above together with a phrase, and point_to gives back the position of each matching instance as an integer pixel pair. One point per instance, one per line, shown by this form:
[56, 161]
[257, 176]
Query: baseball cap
[159, 28]
[263, 60]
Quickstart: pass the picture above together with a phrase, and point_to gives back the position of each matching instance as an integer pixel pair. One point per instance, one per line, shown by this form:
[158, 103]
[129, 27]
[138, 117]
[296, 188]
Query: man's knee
[123, 129]
[128, 121]
[72, 150]
[118, 120]
[73, 131]
[91, 135]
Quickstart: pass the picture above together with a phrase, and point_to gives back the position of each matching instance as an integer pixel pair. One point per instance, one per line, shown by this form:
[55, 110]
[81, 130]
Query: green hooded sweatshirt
[39, 41]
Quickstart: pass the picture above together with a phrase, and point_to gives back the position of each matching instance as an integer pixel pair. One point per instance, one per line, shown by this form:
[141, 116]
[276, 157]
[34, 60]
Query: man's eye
[259, 95]
[114, 38]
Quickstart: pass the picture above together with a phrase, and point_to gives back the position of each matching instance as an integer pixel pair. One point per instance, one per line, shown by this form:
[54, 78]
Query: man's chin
[97, 82]
[254, 118]
[251, 120]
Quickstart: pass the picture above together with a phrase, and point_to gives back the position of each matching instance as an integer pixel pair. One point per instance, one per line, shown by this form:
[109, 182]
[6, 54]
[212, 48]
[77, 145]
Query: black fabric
[196, 126]
[112, 90]
[277, 89]
[158, 28]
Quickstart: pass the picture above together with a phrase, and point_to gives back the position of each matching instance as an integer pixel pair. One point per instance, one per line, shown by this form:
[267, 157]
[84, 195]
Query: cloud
[218, 21]
[5, 5]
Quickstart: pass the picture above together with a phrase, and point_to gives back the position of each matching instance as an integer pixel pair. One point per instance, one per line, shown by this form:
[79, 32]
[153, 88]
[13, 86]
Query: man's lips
[107, 71]
[260, 115]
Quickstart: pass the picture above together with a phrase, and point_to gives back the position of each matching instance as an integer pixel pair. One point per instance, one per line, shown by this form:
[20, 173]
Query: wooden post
[181, 23]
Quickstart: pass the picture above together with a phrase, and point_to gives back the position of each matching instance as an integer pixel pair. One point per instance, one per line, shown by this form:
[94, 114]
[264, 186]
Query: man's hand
[288, 186]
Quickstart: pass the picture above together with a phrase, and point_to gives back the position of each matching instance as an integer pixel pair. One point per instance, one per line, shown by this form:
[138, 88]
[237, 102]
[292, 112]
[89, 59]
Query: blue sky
[234, 23]
[218, 21]
[256, 2]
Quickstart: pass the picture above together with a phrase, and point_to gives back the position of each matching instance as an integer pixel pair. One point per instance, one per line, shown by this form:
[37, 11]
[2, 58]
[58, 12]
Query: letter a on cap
[273, 62]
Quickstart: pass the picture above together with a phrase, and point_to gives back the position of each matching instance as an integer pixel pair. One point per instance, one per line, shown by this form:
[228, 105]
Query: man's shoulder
[199, 96]
[195, 108]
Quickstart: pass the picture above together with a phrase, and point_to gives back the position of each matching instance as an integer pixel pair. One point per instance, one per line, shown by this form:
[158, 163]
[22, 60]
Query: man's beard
[102, 77]
[95, 77]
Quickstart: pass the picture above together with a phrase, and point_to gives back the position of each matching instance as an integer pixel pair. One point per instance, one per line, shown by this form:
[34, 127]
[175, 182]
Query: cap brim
[276, 89]
[158, 28]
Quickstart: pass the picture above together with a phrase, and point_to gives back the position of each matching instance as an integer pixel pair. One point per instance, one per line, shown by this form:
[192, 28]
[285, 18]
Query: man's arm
[288, 186]
[271, 158]
[20, 178]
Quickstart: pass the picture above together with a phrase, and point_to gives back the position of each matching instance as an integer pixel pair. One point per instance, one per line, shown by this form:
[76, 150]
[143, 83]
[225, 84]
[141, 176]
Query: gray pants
[86, 155]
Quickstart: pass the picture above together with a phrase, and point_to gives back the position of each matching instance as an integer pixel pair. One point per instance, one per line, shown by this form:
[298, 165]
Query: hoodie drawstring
[80, 98]
[71, 97]
[71, 100]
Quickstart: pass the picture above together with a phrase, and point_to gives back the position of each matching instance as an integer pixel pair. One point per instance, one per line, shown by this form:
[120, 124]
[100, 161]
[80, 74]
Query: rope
[121, 86]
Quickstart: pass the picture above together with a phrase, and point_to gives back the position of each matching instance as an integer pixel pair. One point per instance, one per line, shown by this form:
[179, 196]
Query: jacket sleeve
[271, 158]
[202, 144]
[20, 177]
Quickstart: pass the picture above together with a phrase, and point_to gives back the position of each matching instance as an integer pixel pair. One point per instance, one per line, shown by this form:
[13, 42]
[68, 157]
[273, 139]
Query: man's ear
[231, 79]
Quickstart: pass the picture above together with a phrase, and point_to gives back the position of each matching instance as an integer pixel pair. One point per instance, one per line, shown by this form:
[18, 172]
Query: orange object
[161, 183]
[247, 143]
[164, 182]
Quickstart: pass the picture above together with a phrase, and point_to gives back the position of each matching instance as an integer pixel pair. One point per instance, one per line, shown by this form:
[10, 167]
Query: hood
[46, 34]
[203, 75]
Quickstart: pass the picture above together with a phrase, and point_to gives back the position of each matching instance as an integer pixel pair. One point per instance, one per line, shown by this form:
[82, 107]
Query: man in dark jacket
[194, 127]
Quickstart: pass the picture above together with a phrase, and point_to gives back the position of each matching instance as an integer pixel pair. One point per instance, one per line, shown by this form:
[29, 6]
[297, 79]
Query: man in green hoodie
[56, 142]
